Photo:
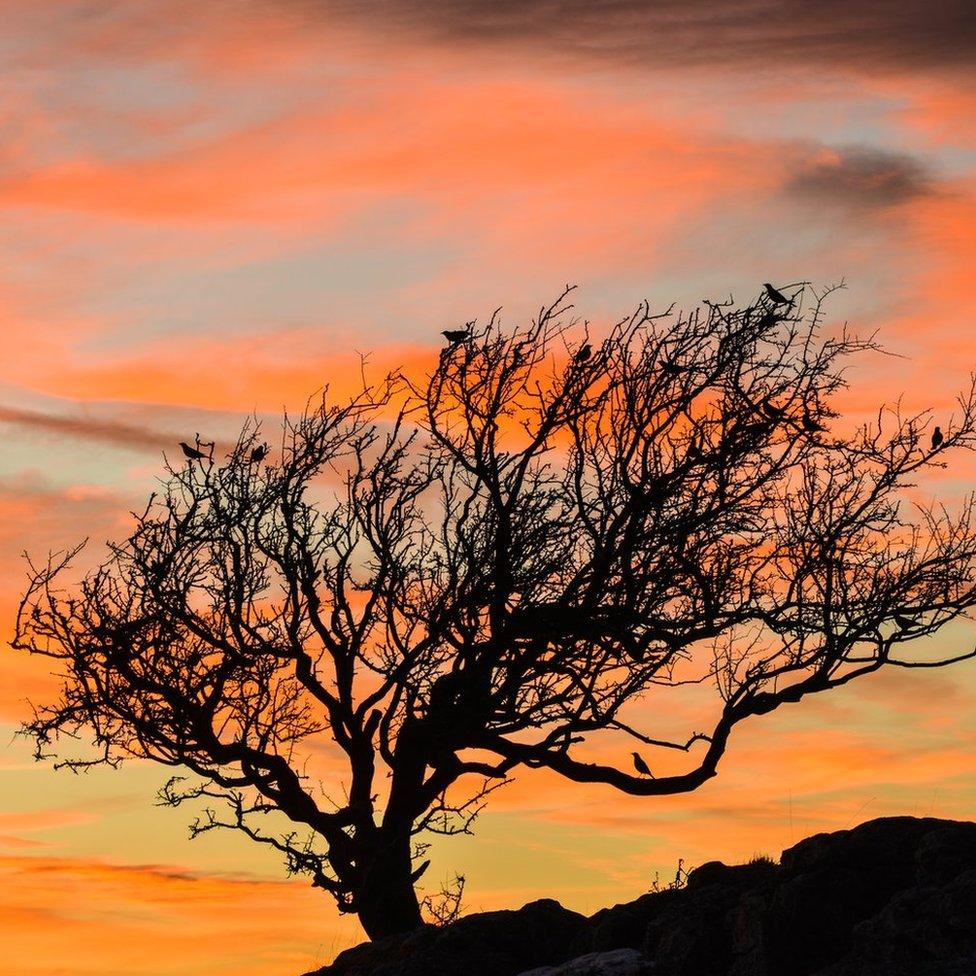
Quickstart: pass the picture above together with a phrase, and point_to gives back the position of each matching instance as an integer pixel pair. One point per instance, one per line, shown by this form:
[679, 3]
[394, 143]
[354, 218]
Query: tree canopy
[515, 562]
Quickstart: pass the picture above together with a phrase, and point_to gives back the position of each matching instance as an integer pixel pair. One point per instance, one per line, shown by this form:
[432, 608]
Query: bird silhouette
[641, 766]
[938, 438]
[259, 453]
[694, 451]
[584, 353]
[812, 426]
[671, 369]
[776, 296]
[772, 411]
[454, 336]
[191, 452]
[903, 622]
[768, 319]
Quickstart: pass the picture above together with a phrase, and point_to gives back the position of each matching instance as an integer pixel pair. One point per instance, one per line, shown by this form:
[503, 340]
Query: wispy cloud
[208, 922]
[888, 34]
[88, 428]
[861, 177]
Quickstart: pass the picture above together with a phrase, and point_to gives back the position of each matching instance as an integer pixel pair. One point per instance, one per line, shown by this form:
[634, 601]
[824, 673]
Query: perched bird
[937, 438]
[772, 411]
[775, 296]
[671, 369]
[694, 451]
[191, 452]
[641, 766]
[259, 453]
[454, 336]
[584, 353]
[903, 622]
[812, 426]
[768, 319]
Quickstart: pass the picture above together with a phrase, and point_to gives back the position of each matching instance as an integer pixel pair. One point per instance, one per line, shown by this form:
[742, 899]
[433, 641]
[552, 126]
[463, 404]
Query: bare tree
[442, 582]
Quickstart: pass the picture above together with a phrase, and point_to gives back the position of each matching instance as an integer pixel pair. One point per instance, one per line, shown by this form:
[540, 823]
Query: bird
[671, 369]
[768, 319]
[903, 622]
[641, 766]
[772, 411]
[454, 336]
[694, 451]
[583, 353]
[191, 452]
[259, 453]
[937, 438]
[776, 296]
[812, 426]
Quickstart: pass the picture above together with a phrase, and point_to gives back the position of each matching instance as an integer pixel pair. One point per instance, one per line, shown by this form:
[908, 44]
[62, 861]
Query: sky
[211, 210]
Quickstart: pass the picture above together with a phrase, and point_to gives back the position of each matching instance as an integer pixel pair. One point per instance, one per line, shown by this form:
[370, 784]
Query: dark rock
[945, 852]
[624, 926]
[717, 873]
[715, 924]
[920, 932]
[892, 897]
[617, 962]
[831, 882]
[488, 944]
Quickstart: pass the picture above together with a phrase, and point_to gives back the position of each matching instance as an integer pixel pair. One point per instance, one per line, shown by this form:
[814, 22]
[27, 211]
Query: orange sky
[210, 209]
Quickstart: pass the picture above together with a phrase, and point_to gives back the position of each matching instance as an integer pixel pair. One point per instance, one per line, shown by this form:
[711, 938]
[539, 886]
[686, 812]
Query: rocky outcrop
[616, 962]
[892, 897]
[505, 943]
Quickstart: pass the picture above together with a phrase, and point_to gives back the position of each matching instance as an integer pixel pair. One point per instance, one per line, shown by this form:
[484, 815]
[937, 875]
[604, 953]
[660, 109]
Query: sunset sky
[210, 209]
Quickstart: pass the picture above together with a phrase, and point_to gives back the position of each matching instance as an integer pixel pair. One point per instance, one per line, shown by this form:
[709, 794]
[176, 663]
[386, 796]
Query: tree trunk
[386, 901]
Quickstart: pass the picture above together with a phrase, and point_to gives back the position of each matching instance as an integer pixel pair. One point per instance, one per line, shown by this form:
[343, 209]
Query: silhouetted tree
[438, 583]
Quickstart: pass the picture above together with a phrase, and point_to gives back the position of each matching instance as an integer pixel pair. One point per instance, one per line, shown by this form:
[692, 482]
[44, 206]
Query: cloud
[872, 34]
[886, 34]
[88, 428]
[15, 823]
[862, 177]
[78, 915]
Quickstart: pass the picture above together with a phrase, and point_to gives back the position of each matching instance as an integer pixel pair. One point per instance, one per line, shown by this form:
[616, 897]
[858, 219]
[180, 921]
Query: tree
[447, 581]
